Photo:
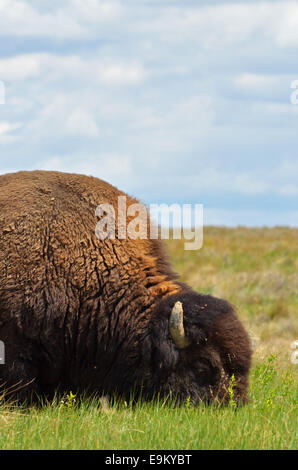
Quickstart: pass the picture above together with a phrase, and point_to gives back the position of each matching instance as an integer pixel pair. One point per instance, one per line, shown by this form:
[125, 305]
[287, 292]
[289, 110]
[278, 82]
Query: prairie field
[257, 271]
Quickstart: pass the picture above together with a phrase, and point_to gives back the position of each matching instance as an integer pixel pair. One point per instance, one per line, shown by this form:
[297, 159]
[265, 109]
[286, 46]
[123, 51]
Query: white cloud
[289, 190]
[279, 109]
[234, 24]
[21, 67]
[115, 74]
[218, 179]
[71, 19]
[221, 24]
[286, 28]
[6, 130]
[207, 25]
[53, 67]
[195, 113]
[80, 122]
[19, 18]
[250, 218]
[94, 11]
[111, 167]
[194, 96]
[62, 116]
[255, 81]
[279, 180]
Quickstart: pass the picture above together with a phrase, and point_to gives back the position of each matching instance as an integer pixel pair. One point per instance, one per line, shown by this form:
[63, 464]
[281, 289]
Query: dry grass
[257, 271]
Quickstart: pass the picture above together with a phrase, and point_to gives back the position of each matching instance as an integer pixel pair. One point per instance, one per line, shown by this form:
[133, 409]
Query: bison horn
[176, 326]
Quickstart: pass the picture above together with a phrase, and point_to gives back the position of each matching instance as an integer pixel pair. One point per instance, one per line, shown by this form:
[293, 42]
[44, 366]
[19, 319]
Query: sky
[172, 101]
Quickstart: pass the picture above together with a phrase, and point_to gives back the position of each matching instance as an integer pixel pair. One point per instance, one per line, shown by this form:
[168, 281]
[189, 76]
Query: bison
[106, 316]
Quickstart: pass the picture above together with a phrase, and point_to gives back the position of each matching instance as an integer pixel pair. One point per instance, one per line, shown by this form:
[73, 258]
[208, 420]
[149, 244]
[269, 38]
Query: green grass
[267, 422]
[256, 269]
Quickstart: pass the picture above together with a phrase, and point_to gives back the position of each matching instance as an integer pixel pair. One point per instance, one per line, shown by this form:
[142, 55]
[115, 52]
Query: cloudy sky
[182, 101]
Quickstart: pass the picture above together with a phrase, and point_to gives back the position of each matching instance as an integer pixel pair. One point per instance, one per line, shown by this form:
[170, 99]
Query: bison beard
[81, 314]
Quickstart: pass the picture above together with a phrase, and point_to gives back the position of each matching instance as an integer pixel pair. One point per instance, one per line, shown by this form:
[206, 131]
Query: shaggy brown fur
[77, 313]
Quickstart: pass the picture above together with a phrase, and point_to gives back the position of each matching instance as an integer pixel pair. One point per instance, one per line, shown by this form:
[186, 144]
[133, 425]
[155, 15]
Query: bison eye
[206, 373]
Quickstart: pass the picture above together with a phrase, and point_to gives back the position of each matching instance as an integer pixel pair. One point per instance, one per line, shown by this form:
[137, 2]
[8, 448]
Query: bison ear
[176, 326]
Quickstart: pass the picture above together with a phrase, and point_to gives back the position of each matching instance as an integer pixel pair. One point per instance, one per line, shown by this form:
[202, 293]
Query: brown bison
[107, 316]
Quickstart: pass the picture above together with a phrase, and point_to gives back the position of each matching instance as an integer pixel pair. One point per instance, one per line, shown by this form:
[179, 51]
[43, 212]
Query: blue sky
[171, 101]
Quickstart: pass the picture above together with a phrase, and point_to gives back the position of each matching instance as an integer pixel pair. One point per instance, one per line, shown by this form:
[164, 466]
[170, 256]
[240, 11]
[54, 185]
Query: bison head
[194, 345]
